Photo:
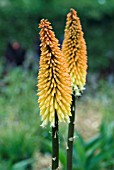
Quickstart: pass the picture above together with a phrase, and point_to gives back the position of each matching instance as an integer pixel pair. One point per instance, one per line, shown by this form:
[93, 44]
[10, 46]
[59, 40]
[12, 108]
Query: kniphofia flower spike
[74, 50]
[54, 83]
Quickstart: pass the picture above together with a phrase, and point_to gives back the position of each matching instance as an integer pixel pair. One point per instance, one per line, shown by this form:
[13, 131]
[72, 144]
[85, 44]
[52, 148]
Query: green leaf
[62, 156]
[22, 165]
[79, 152]
[99, 158]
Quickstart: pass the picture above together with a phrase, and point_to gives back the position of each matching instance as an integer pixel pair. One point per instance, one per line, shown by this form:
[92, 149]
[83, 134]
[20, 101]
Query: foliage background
[19, 20]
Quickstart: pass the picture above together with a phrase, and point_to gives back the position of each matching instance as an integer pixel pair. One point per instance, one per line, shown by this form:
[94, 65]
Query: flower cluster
[74, 50]
[54, 83]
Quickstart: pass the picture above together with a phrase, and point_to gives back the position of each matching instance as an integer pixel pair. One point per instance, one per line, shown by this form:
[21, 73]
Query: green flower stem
[55, 145]
[71, 134]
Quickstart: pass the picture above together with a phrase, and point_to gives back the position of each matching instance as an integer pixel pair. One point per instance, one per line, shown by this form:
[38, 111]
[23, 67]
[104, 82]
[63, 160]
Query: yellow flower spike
[74, 50]
[54, 82]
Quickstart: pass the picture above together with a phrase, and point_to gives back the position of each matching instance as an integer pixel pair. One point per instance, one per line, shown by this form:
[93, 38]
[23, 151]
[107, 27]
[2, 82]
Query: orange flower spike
[74, 50]
[54, 83]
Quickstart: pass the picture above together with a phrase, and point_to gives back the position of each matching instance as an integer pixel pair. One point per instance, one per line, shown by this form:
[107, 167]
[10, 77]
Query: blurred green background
[24, 145]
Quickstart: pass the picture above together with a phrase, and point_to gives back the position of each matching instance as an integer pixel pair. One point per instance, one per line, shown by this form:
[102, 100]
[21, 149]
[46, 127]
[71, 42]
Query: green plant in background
[95, 15]
[19, 132]
[96, 153]
[17, 143]
[17, 90]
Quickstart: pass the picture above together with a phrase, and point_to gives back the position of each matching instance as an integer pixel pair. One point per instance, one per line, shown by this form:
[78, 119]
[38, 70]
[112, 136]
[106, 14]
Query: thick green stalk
[55, 145]
[71, 134]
